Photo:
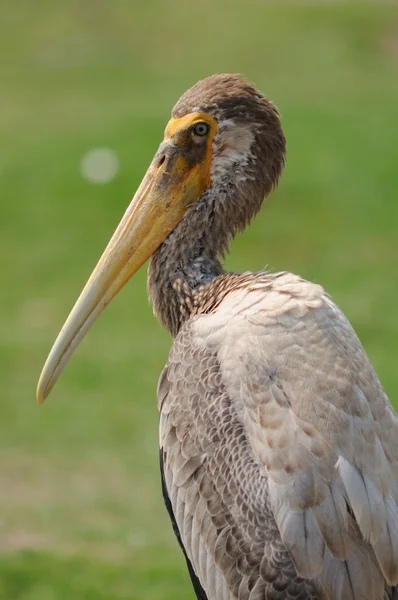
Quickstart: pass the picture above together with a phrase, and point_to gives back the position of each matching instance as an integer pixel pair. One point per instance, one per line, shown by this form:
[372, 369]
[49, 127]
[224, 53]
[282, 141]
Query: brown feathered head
[248, 136]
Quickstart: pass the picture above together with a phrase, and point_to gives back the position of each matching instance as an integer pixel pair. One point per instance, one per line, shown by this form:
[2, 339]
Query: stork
[278, 445]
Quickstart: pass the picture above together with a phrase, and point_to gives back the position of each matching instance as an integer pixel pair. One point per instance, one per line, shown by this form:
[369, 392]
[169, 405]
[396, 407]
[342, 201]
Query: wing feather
[302, 538]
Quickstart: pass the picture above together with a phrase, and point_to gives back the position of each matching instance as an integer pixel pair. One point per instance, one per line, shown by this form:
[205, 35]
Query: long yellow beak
[171, 184]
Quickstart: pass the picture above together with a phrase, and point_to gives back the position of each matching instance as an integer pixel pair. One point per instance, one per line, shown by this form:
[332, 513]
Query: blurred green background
[81, 514]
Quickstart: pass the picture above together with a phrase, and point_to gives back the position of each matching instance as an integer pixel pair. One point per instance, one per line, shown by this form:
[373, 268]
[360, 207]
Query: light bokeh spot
[99, 165]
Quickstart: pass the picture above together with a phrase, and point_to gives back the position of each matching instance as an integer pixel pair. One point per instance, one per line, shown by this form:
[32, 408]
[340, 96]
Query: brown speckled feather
[280, 447]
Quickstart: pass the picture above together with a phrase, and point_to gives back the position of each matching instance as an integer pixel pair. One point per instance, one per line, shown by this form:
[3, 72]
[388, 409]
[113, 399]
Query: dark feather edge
[200, 593]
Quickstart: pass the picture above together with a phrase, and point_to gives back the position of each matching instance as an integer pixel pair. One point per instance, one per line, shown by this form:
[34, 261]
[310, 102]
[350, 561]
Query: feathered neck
[186, 263]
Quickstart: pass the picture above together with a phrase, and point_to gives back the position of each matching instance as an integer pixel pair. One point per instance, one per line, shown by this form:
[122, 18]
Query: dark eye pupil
[201, 129]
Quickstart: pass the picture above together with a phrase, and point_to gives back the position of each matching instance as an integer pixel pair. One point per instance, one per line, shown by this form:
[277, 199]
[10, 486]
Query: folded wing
[321, 426]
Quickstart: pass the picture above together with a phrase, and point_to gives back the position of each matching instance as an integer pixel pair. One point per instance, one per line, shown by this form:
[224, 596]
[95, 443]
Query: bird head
[223, 144]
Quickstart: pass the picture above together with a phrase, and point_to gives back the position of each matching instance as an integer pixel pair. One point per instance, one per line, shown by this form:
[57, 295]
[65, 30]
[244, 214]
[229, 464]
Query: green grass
[81, 514]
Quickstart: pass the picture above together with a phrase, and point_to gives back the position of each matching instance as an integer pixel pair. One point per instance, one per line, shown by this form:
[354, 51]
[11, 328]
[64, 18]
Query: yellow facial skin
[177, 177]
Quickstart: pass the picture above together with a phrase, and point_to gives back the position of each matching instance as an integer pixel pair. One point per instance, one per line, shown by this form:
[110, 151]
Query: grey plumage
[280, 448]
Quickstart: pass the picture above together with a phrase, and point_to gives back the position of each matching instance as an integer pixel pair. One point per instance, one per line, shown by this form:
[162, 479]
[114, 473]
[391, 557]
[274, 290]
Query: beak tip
[42, 391]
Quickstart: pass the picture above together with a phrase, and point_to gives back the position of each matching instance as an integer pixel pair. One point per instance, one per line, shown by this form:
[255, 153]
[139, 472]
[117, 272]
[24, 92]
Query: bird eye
[201, 129]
